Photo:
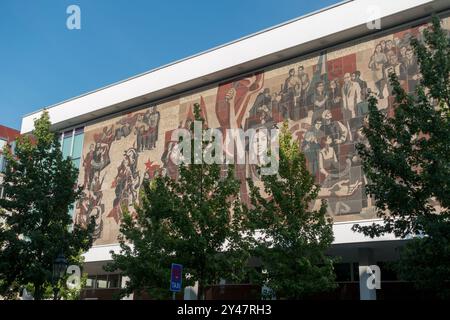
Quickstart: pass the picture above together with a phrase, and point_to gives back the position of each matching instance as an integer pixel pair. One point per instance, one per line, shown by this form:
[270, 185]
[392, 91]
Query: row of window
[110, 281]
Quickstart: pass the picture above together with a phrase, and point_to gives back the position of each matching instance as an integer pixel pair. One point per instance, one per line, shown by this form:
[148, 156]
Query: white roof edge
[242, 51]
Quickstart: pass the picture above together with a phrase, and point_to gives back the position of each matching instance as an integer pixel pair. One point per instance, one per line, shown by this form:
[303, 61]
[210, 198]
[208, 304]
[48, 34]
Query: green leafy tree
[40, 188]
[147, 247]
[292, 238]
[407, 161]
[196, 219]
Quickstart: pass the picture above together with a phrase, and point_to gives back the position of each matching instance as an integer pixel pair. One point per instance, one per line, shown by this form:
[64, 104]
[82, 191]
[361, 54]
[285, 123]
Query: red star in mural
[151, 168]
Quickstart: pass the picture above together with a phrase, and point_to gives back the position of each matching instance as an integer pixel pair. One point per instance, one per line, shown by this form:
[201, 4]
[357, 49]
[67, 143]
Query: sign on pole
[176, 277]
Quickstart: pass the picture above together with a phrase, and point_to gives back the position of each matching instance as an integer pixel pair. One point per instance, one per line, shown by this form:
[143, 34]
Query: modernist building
[7, 138]
[316, 71]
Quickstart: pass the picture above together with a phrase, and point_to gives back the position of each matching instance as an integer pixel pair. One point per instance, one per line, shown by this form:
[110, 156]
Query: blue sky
[43, 63]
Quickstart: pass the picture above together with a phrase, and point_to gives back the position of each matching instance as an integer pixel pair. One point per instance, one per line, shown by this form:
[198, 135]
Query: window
[343, 272]
[113, 281]
[104, 281]
[72, 146]
[90, 281]
[3, 143]
[2, 163]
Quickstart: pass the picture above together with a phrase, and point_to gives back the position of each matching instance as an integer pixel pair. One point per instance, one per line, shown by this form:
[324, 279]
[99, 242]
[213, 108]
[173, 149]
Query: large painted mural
[324, 98]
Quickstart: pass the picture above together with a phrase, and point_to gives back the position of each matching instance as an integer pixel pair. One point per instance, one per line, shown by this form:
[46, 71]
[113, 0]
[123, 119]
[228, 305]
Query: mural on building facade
[325, 99]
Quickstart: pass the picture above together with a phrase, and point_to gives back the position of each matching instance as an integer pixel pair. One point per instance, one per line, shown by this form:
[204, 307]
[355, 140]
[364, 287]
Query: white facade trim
[342, 235]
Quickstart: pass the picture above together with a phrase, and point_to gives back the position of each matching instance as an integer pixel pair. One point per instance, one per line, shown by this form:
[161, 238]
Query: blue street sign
[176, 277]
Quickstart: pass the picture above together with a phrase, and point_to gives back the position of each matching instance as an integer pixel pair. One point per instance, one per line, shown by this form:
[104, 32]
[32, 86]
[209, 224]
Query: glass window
[2, 163]
[78, 143]
[355, 271]
[72, 146]
[387, 270]
[343, 271]
[13, 146]
[90, 281]
[76, 163]
[102, 282]
[3, 143]
[67, 144]
[113, 281]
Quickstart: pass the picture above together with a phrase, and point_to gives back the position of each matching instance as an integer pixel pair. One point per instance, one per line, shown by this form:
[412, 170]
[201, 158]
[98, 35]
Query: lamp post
[59, 269]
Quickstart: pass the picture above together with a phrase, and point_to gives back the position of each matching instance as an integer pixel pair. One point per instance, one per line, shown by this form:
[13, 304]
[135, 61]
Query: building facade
[316, 72]
[7, 138]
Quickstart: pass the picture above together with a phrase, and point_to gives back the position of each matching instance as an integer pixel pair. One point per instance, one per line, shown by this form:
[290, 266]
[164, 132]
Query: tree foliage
[195, 220]
[40, 188]
[292, 238]
[407, 162]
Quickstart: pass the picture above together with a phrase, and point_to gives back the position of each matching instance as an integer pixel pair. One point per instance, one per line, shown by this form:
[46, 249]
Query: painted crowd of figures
[326, 105]
[144, 128]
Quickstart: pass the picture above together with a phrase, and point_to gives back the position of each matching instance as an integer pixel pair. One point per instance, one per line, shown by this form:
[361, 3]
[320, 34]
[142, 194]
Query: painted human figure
[316, 129]
[394, 66]
[141, 131]
[376, 64]
[311, 148]
[232, 105]
[356, 77]
[291, 90]
[351, 95]
[337, 131]
[304, 81]
[328, 162]
[87, 164]
[410, 70]
[261, 111]
[126, 183]
[153, 121]
[334, 95]
[302, 99]
[319, 101]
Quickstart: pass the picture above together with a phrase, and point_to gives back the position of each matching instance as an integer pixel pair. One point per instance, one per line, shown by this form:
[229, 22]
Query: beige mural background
[115, 163]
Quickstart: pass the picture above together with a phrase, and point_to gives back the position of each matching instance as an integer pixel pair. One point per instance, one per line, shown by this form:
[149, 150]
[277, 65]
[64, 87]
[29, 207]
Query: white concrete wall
[342, 235]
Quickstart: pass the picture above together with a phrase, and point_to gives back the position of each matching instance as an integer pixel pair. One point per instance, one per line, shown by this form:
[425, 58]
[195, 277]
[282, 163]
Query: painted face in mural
[292, 72]
[328, 141]
[320, 87]
[327, 116]
[389, 45]
[260, 143]
[347, 78]
[318, 124]
[409, 54]
[333, 84]
[403, 51]
[378, 48]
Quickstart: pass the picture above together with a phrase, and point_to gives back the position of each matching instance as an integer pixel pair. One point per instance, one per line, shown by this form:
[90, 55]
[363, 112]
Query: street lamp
[59, 269]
